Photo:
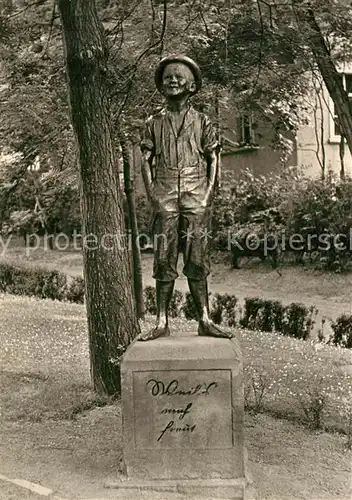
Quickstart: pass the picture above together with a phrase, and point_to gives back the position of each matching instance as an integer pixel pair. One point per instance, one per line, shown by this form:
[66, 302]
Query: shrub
[263, 315]
[150, 300]
[251, 309]
[224, 309]
[342, 329]
[53, 285]
[320, 211]
[255, 391]
[76, 290]
[188, 307]
[295, 320]
[176, 304]
[271, 316]
[32, 282]
[144, 214]
[313, 404]
[298, 320]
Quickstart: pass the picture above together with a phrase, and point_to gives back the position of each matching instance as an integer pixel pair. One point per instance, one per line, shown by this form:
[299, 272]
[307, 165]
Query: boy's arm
[147, 172]
[147, 148]
[210, 145]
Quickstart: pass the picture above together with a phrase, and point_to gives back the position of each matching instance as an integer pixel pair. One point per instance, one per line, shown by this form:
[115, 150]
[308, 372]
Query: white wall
[318, 136]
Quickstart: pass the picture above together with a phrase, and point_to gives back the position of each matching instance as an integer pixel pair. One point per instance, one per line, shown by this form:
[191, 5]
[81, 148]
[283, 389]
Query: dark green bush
[188, 307]
[271, 316]
[150, 300]
[251, 308]
[342, 329]
[53, 286]
[320, 211]
[76, 290]
[298, 320]
[224, 309]
[32, 282]
[144, 214]
[295, 320]
[176, 304]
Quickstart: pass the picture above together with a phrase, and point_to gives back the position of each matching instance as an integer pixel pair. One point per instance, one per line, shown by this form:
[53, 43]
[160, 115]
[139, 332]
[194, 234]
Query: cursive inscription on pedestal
[181, 412]
[172, 427]
[182, 409]
[160, 388]
[173, 388]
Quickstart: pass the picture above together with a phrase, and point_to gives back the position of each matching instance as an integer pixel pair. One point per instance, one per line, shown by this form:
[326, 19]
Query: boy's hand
[208, 199]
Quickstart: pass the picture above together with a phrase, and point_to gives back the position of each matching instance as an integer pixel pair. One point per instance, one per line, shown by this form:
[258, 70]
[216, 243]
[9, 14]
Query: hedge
[295, 320]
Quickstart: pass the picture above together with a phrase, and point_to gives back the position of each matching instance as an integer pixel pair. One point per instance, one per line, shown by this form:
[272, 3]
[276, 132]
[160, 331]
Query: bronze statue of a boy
[179, 171]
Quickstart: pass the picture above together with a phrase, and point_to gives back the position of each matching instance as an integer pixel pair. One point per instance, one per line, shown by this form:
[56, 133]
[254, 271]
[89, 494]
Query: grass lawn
[330, 293]
[49, 414]
[283, 375]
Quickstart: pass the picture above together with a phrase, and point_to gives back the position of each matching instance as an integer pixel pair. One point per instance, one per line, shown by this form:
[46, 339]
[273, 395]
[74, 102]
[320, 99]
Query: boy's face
[178, 80]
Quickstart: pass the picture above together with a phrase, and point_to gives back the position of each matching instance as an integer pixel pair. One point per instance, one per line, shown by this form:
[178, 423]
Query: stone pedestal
[182, 410]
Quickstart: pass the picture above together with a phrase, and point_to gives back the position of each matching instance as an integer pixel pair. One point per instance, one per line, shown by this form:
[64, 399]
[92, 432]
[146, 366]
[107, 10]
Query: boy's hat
[177, 59]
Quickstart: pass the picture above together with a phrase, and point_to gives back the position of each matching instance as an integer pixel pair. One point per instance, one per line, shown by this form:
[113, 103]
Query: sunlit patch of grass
[50, 338]
[300, 373]
[36, 397]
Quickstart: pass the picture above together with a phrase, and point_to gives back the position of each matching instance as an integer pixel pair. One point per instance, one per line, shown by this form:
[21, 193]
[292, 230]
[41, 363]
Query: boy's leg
[165, 270]
[197, 269]
[163, 291]
[206, 328]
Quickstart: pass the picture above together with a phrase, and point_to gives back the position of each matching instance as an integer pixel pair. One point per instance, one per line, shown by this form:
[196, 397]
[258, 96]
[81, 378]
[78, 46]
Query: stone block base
[182, 411]
[196, 489]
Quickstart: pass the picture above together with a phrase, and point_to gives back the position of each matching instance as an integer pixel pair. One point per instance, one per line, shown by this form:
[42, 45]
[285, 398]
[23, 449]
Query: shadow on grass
[35, 397]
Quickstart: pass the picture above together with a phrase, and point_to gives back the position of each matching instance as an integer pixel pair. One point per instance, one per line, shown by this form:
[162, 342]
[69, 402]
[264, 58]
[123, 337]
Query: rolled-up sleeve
[147, 142]
[209, 141]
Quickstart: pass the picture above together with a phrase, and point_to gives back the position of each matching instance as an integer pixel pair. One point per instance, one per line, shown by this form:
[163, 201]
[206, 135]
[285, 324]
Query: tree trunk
[4, 199]
[112, 320]
[128, 173]
[331, 76]
[342, 158]
[218, 136]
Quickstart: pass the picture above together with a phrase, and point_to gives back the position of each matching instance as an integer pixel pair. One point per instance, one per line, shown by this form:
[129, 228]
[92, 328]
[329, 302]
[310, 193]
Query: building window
[246, 130]
[347, 84]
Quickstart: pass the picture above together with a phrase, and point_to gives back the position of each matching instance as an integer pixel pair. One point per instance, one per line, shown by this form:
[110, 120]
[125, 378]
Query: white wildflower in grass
[297, 369]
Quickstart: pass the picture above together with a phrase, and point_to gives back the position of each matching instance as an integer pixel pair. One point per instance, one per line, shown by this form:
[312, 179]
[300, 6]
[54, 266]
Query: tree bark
[128, 173]
[330, 75]
[112, 319]
[342, 158]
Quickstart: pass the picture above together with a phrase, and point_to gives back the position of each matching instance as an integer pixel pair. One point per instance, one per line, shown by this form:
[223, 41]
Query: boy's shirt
[179, 157]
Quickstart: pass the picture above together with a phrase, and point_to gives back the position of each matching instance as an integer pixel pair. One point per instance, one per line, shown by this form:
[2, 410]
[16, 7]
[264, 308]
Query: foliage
[254, 57]
[255, 391]
[249, 199]
[299, 320]
[342, 329]
[150, 300]
[265, 51]
[76, 290]
[144, 214]
[188, 307]
[176, 304]
[32, 282]
[264, 315]
[308, 217]
[312, 402]
[224, 310]
[295, 320]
